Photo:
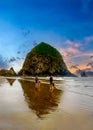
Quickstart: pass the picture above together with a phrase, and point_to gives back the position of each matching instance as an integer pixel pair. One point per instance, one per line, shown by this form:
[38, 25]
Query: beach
[24, 107]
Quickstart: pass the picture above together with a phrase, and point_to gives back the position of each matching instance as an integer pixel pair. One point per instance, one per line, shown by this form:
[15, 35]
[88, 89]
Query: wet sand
[24, 107]
[54, 121]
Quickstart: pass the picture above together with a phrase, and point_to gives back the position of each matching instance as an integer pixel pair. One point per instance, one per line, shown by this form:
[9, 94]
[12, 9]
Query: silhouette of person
[51, 79]
[36, 79]
[52, 85]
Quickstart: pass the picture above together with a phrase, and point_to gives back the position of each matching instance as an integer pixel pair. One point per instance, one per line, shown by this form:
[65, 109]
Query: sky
[66, 25]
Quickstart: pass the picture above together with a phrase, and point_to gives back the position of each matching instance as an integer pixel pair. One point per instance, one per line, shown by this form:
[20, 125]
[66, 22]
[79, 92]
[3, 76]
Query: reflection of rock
[40, 100]
[10, 72]
[2, 80]
[11, 81]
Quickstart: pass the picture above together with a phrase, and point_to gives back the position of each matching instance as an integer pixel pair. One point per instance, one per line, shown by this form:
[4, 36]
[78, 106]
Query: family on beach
[37, 85]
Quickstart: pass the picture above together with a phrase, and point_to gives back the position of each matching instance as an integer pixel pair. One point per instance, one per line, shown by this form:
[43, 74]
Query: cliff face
[43, 59]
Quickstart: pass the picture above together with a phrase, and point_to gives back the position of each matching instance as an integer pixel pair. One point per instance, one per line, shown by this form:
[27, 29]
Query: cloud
[75, 57]
[15, 59]
[72, 43]
[71, 50]
[25, 32]
[88, 39]
[74, 48]
[70, 53]
[3, 63]
[18, 58]
[91, 56]
[17, 64]
[18, 52]
[12, 59]
[90, 64]
[74, 66]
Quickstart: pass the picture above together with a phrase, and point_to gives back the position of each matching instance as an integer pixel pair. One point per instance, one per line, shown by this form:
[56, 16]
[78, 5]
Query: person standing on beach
[52, 86]
[51, 79]
[36, 79]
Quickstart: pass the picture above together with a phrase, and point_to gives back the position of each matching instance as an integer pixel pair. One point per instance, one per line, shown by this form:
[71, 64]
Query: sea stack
[10, 72]
[43, 60]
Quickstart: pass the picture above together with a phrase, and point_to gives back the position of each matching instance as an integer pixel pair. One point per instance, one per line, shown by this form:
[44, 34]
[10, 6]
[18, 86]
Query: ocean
[25, 107]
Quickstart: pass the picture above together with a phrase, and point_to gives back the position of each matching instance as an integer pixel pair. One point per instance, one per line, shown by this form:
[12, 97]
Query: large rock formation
[44, 59]
[10, 72]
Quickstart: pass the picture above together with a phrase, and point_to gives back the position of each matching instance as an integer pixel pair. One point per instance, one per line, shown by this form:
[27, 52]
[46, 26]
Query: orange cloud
[73, 55]
[80, 67]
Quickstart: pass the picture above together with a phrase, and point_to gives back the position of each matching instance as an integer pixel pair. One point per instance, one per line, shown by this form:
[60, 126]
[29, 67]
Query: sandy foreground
[57, 121]
[25, 108]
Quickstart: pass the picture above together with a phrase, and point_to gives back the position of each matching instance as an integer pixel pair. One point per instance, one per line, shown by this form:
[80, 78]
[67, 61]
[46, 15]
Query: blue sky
[66, 25]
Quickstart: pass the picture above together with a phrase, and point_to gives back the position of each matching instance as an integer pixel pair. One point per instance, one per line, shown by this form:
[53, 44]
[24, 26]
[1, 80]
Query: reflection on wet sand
[2, 81]
[40, 98]
[11, 81]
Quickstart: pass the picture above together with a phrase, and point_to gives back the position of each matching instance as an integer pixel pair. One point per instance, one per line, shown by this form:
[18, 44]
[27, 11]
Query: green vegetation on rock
[46, 50]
